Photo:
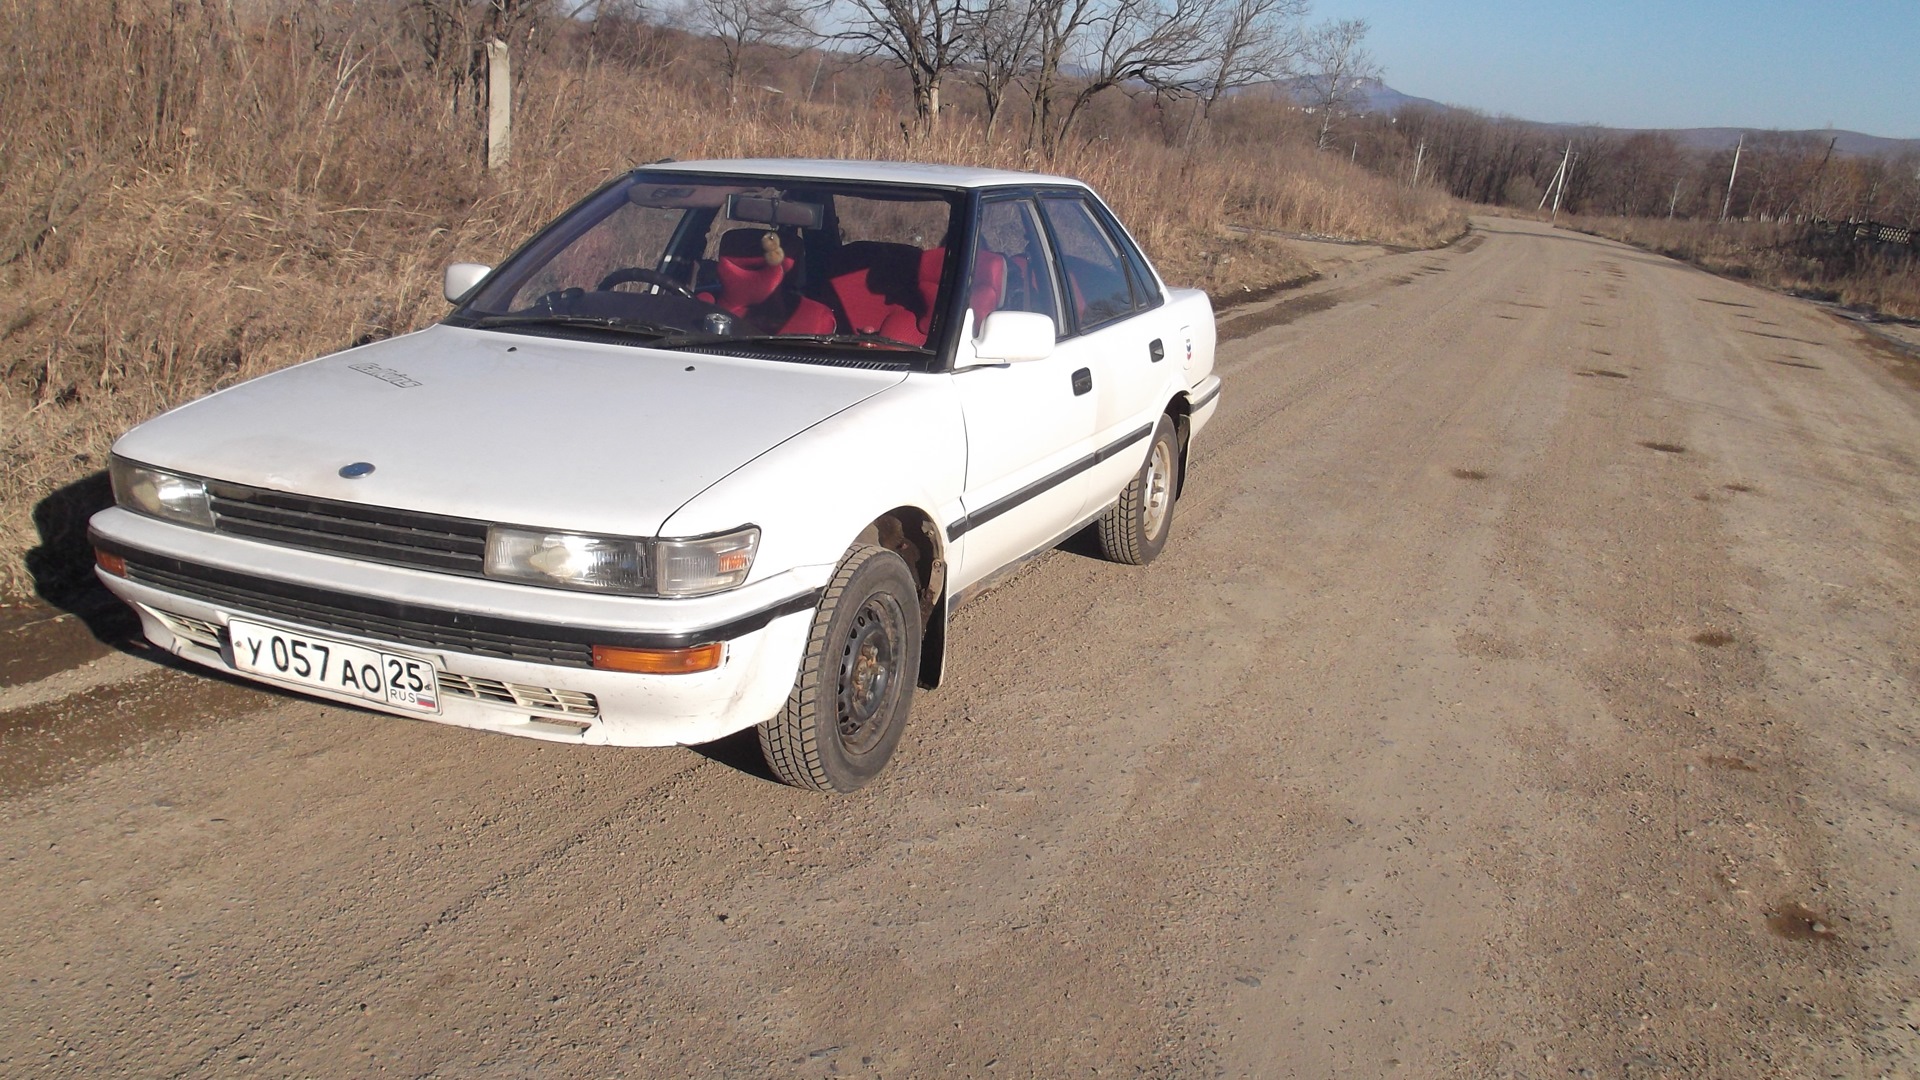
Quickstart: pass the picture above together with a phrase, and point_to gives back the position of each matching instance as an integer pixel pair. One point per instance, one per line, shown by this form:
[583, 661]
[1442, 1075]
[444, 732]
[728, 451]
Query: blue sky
[1852, 64]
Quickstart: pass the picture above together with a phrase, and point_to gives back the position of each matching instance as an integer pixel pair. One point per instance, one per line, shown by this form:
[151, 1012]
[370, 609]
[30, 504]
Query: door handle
[1082, 381]
[1156, 350]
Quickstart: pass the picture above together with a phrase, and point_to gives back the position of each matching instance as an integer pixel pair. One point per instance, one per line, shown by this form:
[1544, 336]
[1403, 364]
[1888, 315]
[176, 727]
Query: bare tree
[1000, 49]
[1253, 41]
[740, 26]
[1334, 65]
[927, 38]
[1155, 44]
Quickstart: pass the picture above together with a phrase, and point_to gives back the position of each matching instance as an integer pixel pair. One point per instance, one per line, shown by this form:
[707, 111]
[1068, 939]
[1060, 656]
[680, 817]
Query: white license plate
[304, 660]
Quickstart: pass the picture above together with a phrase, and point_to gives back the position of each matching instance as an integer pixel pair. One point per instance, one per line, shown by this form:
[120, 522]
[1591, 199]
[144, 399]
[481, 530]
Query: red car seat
[888, 289]
[751, 266]
[989, 284]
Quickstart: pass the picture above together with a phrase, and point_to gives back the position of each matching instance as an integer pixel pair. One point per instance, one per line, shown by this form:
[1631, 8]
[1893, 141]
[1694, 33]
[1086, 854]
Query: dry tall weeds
[187, 202]
[1784, 255]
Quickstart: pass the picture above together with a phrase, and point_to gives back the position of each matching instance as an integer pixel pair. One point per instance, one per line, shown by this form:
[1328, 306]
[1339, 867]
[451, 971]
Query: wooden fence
[1870, 232]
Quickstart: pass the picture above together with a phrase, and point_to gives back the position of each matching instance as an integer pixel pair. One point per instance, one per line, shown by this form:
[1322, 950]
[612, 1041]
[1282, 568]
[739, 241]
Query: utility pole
[1675, 201]
[1813, 186]
[1417, 159]
[1558, 184]
[1728, 204]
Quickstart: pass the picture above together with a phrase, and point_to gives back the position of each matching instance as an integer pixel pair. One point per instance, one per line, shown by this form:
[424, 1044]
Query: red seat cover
[886, 288]
[747, 277]
[989, 284]
[810, 317]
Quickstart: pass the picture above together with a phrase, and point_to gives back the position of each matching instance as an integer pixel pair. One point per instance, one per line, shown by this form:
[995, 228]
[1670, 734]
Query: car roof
[891, 172]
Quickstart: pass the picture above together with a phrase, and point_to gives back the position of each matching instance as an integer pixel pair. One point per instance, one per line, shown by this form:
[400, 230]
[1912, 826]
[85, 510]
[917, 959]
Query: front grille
[362, 617]
[520, 695]
[375, 533]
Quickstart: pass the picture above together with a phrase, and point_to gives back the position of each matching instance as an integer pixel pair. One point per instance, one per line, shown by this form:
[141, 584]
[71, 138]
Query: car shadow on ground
[739, 751]
[61, 568]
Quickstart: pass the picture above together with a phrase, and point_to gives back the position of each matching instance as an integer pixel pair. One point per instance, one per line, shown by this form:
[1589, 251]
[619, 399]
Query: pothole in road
[1279, 314]
[1739, 488]
[1665, 447]
[1713, 639]
[1798, 364]
[1602, 373]
[1780, 337]
[1797, 923]
[1729, 763]
[1724, 303]
[1469, 474]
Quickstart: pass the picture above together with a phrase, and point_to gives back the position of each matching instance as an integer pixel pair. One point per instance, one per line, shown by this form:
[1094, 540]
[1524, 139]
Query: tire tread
[790, 741]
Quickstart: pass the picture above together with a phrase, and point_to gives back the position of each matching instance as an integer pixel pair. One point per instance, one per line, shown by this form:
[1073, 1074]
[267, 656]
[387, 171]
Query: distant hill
[1378, 97]
[1848, 142]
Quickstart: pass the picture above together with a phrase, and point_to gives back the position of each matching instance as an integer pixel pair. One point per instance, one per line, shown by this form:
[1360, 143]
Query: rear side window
[1099, 289]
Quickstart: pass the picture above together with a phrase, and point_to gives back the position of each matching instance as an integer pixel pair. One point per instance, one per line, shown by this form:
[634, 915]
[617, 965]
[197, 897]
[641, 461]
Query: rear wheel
[1135, 527]
[850, 701]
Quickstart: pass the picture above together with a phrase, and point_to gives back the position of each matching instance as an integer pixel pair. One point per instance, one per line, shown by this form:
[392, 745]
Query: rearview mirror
[1013, 337]
[461, 278]
[774, 211]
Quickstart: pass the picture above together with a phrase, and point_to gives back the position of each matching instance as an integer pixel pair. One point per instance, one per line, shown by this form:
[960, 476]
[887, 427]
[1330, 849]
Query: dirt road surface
[1528, 690]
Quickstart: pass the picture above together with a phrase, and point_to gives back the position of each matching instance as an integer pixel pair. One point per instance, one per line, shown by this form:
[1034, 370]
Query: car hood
[503, 427]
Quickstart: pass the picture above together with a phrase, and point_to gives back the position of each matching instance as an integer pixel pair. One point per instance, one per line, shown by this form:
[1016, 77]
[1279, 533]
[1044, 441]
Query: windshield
[678, 260]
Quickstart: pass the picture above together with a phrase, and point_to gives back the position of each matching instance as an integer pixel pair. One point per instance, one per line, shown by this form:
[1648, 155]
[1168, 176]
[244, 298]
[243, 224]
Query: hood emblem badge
[356, 470]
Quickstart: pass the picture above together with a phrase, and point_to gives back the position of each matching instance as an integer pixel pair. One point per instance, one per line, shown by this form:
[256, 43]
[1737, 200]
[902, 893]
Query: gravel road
[1528, 690]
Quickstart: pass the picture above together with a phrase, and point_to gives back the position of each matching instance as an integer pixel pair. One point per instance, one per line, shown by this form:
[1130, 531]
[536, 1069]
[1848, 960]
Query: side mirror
[462, 277]
[1013, 337]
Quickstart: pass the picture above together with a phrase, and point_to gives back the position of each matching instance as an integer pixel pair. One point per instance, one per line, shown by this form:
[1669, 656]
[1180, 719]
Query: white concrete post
[499, 105]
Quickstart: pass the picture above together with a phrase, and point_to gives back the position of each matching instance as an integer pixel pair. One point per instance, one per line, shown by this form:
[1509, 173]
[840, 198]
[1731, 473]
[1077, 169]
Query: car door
[1112, 310]
[1030, 424]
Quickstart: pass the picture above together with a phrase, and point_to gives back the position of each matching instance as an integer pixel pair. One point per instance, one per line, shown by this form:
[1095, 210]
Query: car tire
[1135, 527]
[850, 700]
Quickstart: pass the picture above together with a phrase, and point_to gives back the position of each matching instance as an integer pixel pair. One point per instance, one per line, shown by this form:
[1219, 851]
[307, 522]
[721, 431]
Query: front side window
[1098, 285]
[1011, 270]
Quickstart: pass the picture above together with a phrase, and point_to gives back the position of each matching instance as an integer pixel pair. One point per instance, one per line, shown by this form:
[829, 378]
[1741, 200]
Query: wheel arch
[915, 536]
[1180, 407]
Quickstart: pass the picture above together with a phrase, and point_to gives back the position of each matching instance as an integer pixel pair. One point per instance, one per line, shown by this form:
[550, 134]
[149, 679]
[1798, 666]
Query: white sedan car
[724, 446]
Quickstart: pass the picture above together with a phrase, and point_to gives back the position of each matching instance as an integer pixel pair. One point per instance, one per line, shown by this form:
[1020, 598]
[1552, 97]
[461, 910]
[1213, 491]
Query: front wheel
[1135, 527]
[850, 700]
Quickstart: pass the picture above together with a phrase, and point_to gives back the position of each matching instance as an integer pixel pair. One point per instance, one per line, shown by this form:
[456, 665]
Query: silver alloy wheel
[1159, 487]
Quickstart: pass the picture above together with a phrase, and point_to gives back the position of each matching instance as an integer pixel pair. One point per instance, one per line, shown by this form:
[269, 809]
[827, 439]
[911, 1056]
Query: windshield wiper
[870, 341]
[589, 322]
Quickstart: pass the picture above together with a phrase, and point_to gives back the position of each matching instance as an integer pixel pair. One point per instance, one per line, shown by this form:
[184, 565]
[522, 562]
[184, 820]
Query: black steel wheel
[850, 701]
[1136, 526]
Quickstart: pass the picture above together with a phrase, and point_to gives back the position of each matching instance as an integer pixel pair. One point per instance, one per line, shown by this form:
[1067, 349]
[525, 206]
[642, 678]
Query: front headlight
[629, 565]
[157, 493]
[567, 560]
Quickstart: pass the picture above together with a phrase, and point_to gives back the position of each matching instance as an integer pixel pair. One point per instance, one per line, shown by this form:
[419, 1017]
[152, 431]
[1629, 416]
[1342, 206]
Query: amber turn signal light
[660, 661]
[111, 563]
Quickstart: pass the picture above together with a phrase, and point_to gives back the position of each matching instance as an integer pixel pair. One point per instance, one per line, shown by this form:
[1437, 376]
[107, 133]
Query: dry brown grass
[1779, 254]
[186, 203]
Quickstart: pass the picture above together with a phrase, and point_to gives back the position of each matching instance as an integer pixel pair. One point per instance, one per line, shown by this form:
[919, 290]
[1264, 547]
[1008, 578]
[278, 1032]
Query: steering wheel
[644, 275]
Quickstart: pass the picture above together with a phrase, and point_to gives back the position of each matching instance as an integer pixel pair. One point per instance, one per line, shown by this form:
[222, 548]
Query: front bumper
[514, 659]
